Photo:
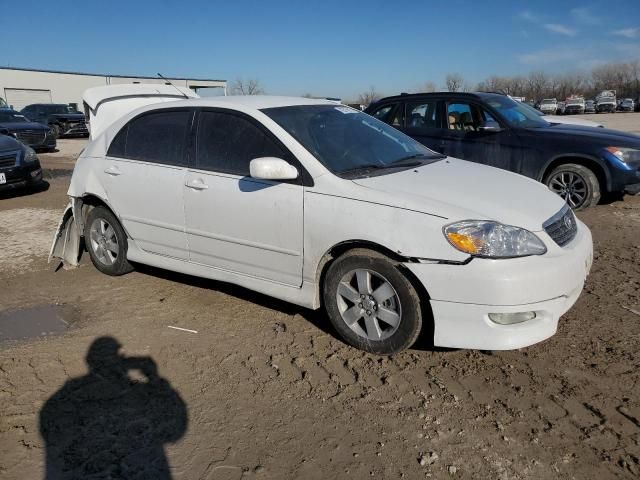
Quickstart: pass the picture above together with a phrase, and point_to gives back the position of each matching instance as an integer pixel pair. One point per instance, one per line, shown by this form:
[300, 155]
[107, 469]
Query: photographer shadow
[107, 425]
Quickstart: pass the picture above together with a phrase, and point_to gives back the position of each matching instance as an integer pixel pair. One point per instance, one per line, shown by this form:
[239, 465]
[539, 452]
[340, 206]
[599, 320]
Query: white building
[24, 86]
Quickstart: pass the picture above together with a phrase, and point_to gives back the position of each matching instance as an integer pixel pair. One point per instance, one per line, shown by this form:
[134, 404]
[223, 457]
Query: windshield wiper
[409, 160]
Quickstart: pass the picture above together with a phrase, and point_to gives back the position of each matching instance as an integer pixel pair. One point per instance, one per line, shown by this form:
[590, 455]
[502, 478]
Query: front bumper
[22, 176]
[463, 296]
[78, 129]
[574, 110]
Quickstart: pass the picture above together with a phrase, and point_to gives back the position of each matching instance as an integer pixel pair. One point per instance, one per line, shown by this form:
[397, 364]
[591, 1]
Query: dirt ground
[265, 390]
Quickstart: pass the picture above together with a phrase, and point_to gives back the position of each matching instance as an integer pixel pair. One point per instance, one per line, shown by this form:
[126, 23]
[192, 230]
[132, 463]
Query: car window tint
[227, 143]
[383, 112]
[422, 114]
[157, 137]
[116, 149]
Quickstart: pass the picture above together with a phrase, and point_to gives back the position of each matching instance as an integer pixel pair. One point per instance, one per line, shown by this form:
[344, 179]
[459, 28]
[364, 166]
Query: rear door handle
[113, 171]
[197, 184]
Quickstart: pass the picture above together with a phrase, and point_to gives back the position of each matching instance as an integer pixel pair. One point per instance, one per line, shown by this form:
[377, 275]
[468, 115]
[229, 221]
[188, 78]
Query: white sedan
[326, 207]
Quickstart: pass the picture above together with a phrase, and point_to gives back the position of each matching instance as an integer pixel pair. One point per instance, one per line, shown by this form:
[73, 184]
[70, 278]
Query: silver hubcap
[569, 186]
[369, 304]
[104, 242]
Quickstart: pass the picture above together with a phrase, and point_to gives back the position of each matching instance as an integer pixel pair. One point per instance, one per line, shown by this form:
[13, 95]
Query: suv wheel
[372, 304]
[578, 185]
[107, 243]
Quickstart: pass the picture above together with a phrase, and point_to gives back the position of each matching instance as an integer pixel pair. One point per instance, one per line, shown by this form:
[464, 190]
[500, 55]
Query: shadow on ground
[114, 421]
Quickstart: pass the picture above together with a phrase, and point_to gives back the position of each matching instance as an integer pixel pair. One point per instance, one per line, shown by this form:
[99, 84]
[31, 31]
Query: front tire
[576, 184]
[372, 305]
[106, 242]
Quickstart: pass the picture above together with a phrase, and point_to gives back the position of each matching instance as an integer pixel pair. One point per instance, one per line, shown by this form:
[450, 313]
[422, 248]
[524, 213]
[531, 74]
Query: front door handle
[197, 184]
[113, 171]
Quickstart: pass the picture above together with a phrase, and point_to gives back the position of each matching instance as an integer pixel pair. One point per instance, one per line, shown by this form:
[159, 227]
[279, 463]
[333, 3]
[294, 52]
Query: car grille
[31, 137]
[562, 227]
[7, 160]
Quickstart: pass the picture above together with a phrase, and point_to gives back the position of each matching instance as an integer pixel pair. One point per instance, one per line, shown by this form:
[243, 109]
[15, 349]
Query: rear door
[234, 222]
[423, 123]
[144, 171]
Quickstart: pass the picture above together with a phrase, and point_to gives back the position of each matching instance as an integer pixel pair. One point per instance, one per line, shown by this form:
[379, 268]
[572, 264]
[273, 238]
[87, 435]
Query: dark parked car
[36, 135]
[589, 106]
[627, 105]
[64, 120]
[19, 164]
[579, 163]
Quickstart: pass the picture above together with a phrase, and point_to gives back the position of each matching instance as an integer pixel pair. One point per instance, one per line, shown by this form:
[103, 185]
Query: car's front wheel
[577, 184]
[371, 303]
[106, 242]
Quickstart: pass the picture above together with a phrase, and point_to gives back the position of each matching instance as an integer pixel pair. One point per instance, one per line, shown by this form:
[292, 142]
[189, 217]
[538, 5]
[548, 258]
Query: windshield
[548, 102]
[348, 141]
[515, 113]
[11, 116]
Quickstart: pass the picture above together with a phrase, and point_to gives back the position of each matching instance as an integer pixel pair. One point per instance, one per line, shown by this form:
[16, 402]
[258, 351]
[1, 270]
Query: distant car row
[605, 103]
[39, 125]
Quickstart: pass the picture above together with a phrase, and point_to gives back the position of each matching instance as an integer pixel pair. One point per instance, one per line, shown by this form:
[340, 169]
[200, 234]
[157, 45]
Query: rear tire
[106, 242]
[576, 184]
[372, 305]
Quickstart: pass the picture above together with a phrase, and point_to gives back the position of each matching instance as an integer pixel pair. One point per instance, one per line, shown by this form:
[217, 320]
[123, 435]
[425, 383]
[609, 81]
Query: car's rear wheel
[371, 303]
[106, 242]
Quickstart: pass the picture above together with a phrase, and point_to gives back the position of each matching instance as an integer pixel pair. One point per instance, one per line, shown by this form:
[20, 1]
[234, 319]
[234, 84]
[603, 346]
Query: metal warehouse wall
[69, 87]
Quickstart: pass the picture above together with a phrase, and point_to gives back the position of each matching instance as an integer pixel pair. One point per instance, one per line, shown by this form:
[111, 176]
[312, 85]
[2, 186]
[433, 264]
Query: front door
[463, 139]
[234, 222]
[144, 172]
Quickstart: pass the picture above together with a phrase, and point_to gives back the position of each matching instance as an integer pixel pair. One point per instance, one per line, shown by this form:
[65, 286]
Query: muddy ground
[265, 390]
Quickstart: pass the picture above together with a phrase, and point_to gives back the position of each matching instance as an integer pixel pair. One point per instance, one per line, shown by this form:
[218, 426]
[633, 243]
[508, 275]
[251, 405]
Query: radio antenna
[169, 83]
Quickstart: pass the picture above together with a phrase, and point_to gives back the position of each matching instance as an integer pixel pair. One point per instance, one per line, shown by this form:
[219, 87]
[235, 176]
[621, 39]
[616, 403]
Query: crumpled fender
[66, 242]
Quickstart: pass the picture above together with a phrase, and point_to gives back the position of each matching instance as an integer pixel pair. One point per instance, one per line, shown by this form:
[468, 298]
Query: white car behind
[324, 206]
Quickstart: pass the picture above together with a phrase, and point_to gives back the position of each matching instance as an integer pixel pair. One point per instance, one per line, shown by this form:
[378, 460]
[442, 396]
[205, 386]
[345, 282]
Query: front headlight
[624, 154]
[29, 155]
[484, 238]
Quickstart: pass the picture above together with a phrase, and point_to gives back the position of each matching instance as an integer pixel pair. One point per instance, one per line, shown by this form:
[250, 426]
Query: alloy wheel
[368, 304]
[104, 241]
[570, 186]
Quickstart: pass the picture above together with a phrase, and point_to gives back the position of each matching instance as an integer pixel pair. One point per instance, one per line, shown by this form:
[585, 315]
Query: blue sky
[332, 48]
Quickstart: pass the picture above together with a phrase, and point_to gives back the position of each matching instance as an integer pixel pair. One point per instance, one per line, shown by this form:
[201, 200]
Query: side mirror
[490, 126]
[272, 168]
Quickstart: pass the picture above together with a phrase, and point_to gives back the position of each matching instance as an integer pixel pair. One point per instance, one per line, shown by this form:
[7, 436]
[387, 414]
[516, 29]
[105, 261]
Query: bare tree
[426, 87]
[454, 82]
[246, 87]
[368, 97]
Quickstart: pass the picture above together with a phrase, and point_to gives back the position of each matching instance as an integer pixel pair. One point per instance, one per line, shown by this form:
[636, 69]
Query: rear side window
[158, 137]
[422, 114]
[227, 143]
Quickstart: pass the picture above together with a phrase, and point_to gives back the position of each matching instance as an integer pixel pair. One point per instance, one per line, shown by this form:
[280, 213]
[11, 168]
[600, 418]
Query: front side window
[345, 140]
[158, 137]
[227, 143]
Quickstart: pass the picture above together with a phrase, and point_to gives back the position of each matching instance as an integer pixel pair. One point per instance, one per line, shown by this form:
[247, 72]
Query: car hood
[19, 126]
[603, 135]
[460, 190]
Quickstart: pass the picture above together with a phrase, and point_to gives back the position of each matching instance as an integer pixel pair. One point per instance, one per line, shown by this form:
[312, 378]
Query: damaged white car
[324, 206]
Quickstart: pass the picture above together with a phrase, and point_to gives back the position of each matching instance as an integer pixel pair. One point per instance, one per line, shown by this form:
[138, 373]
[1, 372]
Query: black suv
[37, 135]
[63, 119]
[578, 163]
[19, 164]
